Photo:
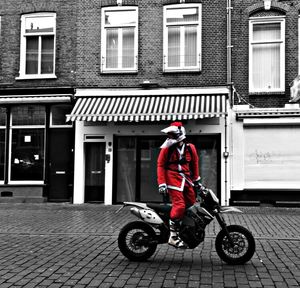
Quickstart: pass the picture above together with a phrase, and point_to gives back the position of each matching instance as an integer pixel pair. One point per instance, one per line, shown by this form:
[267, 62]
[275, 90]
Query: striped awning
[148, 108]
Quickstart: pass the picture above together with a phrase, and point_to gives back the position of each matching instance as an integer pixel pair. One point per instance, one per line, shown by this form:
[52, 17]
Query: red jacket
[177, 175]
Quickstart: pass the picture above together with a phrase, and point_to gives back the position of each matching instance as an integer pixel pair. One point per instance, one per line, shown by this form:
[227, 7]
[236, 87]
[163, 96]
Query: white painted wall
[78, 197]
[265, 153]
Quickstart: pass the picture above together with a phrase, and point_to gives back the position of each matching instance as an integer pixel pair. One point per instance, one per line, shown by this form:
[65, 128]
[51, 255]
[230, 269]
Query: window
[58, 115]
[37, 49]
[2, 141]
[266, 59]
[182, 37]
[27, 143]
[119, 39]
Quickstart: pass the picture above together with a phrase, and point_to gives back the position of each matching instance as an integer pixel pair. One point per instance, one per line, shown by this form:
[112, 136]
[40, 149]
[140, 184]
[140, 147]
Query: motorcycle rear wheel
[136, 241]
[243, 246]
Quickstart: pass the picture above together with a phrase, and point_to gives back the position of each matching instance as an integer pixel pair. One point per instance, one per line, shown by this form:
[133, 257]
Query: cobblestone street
[65, 245]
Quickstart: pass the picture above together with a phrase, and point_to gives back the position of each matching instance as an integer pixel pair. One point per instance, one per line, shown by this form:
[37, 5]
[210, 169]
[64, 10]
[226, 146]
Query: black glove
[162, 189]
[199, 188]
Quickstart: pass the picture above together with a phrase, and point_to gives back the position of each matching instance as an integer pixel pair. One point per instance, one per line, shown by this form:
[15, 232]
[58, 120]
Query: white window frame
[103, 40]
[3, 128]
[182, 68]
[267, 20]
[22, 71]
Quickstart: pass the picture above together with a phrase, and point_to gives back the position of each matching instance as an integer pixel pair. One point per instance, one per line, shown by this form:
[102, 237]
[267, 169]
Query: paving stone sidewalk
[65, 245]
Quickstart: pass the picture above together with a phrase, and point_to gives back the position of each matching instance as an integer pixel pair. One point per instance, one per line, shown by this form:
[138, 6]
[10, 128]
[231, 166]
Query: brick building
[133, 67]
[265, 124]
[37, 53]
[140, 65]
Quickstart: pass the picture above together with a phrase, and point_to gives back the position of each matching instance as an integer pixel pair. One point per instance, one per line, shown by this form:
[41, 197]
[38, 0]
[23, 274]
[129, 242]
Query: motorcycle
[138, 240]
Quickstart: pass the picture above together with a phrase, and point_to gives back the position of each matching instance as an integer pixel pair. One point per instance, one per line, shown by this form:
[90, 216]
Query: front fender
[229, 209]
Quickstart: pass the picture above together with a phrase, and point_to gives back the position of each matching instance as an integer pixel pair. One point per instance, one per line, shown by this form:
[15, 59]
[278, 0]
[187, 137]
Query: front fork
[223, 225]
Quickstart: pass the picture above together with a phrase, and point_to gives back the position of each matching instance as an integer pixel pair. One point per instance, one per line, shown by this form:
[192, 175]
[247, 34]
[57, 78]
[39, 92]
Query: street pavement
[66, 245]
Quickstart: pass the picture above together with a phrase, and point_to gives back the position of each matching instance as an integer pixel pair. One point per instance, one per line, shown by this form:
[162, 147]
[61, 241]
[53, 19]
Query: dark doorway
[94, 171]
[61, 143]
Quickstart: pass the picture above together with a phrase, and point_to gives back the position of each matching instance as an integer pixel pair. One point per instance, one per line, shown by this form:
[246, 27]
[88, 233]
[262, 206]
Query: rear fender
[147, 215]
[136, 204]
[142, 211]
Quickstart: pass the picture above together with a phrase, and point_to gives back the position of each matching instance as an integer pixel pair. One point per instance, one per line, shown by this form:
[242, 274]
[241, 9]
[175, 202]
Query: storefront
[35, 147]
[117, 139]
[265, 163]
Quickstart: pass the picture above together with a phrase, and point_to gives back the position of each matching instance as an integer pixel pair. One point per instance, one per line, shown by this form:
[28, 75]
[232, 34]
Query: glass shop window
[58, 115]
[27, 143]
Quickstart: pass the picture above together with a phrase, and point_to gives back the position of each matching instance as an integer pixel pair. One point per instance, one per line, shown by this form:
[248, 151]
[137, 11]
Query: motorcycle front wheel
[136, 241]
[240, 250]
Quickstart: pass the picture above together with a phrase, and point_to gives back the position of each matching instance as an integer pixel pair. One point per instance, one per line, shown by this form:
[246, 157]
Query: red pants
[181, 200]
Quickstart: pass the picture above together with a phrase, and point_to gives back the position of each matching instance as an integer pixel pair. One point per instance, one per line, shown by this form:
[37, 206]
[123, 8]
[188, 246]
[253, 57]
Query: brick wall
[11, 12]
[78, 44]
[242, 10]
[150, 51]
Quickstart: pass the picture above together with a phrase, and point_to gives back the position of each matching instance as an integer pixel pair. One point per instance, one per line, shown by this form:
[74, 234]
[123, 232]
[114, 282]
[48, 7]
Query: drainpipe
[229, 46]
[225, 156]
[229, 83]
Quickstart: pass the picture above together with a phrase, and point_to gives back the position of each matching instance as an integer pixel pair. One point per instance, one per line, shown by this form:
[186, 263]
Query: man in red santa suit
[178, 175]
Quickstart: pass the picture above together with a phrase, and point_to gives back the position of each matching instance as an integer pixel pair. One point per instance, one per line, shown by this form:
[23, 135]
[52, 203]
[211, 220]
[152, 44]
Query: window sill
[182, 70]
[267, 93]
[34, 77]
[118, 71]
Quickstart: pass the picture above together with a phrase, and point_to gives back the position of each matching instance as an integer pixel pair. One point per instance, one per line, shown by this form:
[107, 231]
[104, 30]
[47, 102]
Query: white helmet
[176, 133]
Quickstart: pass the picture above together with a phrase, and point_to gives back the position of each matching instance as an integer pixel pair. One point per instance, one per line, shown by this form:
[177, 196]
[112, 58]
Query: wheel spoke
[133, 238]
[240, 245]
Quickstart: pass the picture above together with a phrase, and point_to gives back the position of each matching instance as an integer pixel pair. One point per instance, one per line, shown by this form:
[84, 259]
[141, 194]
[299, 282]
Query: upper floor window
[37, 47]
[267, 53]
[119, 39]
[182, 37]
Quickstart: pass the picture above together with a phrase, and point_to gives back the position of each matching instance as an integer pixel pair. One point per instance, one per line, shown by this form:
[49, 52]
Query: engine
[191, 232]
[193, 225]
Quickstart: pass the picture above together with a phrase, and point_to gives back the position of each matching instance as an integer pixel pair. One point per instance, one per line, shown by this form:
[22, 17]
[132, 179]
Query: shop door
[94, 171]
[60, 164]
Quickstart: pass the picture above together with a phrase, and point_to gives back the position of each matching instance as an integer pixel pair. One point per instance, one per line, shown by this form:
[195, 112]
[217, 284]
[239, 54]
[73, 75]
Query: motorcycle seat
[164, 208]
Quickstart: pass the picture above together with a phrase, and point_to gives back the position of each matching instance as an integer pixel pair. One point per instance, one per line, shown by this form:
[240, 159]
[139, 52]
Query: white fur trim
[178, 188]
